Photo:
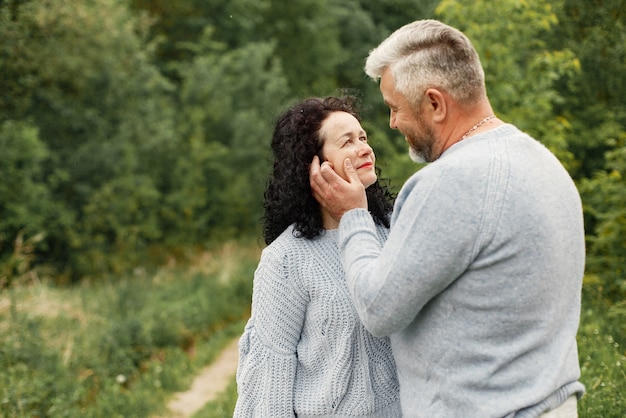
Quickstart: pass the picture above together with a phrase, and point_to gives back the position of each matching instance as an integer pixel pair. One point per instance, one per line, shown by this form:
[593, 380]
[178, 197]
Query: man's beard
[421, 150]
[416, 156]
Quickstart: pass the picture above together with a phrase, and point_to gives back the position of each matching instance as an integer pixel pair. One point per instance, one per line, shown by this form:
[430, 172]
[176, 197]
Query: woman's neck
[328, 222]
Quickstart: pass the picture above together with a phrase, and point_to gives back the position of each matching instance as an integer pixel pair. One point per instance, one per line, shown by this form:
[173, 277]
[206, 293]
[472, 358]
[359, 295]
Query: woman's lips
[365, 165]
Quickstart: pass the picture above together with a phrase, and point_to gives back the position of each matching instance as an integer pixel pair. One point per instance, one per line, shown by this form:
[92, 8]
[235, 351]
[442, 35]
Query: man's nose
[392, 121]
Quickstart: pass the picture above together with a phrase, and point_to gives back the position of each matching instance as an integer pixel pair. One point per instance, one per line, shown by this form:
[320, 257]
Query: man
[479, 282]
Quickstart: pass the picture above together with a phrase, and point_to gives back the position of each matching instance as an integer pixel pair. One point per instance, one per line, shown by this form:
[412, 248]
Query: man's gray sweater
[479, 282]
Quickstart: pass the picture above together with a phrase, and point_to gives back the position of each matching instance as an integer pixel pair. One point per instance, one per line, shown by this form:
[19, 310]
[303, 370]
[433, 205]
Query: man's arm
[334, 193]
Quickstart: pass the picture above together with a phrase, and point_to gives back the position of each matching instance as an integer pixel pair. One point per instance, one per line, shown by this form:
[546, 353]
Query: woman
[304, 351]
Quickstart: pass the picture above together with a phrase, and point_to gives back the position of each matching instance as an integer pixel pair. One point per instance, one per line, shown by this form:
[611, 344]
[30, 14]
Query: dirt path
[210, 382]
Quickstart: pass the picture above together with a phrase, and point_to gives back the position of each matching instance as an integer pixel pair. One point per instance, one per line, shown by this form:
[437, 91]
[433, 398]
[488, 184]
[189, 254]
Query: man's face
[408, 120]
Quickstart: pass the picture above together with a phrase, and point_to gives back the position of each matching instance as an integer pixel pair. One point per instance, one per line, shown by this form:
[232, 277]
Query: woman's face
[343, 137]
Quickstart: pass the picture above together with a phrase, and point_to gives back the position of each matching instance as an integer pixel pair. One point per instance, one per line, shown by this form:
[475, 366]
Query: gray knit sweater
[304, 350]
[479, 283]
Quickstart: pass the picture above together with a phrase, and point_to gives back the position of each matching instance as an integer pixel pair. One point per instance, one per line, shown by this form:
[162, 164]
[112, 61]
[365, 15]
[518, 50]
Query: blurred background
[134, 149]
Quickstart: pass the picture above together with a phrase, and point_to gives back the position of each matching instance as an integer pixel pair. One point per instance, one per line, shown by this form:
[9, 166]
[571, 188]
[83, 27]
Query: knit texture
[304, 350]
[479, 282]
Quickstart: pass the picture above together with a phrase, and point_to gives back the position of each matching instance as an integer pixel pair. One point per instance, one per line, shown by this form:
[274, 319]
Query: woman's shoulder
[298, 260]
[289, 247]
[285, 242]
[290, 240]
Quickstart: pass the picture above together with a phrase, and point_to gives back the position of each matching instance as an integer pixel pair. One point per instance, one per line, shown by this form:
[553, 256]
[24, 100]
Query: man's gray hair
[429, 54]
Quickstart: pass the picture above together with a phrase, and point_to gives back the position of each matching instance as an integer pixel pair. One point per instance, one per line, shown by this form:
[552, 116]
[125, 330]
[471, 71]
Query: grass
[602, 354]
[120, 347]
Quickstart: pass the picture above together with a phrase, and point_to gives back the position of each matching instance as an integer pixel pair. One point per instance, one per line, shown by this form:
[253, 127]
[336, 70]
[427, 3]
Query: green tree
[307, 42]
[118, 222]
[229, 101]
[604, 196]
[82, 73]
[180, 24]
[593, 99]
[27, 209]
[389, 15]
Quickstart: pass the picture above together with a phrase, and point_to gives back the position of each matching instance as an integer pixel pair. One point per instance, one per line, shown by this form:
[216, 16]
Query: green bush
[34, 380]
[604, 197]
[28, 210]
[119, 347]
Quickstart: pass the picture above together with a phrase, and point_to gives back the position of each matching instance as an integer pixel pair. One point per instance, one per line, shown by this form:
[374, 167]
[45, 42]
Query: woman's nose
[365, 149]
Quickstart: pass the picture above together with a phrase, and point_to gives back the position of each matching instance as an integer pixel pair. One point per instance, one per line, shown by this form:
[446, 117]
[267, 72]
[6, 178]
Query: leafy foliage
[596, 33]
[605, 199]
[27, 207]
[119, 348]
[85, 83]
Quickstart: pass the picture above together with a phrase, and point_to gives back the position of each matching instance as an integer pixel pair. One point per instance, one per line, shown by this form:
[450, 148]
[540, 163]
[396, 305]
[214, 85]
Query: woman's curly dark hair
[288, 197]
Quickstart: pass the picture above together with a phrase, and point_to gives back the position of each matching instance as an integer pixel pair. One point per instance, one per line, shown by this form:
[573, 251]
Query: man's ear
[436, 103]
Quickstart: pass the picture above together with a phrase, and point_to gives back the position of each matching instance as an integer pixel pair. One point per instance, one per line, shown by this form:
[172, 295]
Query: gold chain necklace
[478, 125]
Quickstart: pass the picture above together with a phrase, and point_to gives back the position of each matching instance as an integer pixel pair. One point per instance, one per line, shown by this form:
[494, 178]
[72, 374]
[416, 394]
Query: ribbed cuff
[354, 220]
[553, 401]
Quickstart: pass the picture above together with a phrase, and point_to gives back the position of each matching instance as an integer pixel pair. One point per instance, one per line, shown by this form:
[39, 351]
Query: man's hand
[333, 192]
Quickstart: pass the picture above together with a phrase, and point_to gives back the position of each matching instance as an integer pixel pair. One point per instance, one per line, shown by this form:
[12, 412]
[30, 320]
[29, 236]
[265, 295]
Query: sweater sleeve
[433, 239]
[267, 348]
